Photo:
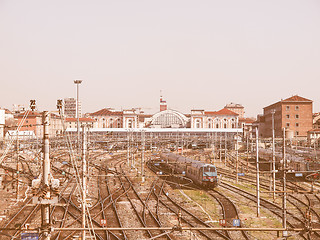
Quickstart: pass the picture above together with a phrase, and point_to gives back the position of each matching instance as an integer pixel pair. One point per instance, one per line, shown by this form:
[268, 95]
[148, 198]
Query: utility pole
[78, 82]
[284, 201]
[45, 207]
[237, 159]
[128, 156]
[220, 150]
[142, 155]
[84, 180]
[17, 190]
[258, 169]
[273, 158]
[247, 152]
[225, 148]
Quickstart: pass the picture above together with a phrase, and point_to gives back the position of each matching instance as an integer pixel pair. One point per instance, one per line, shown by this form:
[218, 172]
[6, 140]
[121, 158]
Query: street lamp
[78, 82]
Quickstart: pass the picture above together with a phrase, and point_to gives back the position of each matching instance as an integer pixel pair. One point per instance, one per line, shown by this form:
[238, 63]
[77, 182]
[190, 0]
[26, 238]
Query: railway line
[117, 195]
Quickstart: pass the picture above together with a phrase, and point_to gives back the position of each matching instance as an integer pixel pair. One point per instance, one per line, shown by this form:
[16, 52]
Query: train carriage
[200, 173]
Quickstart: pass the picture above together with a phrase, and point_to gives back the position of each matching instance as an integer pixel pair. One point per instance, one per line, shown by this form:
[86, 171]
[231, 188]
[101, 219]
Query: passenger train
[200, 173]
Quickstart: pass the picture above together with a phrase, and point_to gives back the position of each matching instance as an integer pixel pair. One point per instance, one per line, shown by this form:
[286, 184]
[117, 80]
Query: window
[297, 133]
[217, 125]
[287, 116]
[288, 124]
[297, 116]
[297, 108]
[297, 124]
[130, 125]
[287, 108]
[198, 123]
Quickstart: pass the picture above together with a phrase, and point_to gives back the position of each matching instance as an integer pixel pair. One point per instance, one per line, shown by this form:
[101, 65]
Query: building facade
[70, 108]
[73, 122]
[32, 121]
[237, 108]
[223, 118]
[294, 114]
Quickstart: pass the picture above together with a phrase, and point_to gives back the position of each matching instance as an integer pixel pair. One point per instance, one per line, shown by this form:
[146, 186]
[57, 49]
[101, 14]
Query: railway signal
[33, 105]
[222, 222]
[103, 222]
[236, 222]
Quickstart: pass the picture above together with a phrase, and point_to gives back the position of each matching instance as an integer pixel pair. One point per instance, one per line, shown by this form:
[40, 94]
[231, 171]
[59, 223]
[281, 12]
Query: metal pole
[78, 121]
[220, 150]
[142, 155]
[225, 148]
[273, 158]
[258, 177]
[84, 182]
[128, 154]
[17, 172]
[247, 153]
[237, 163]
[45, 208]
[78, 82]
[284, 201]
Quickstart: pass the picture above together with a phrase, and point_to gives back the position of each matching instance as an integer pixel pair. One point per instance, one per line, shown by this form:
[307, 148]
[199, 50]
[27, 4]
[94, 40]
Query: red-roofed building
[293, 113]
[32, 121]
[223, 118]
[108, 118]
[72, 122]
[237, 108]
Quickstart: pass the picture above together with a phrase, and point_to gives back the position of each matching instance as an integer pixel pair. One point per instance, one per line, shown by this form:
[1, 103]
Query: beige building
[223, 118]
[73, 123]
[237, 108]
[70, 108]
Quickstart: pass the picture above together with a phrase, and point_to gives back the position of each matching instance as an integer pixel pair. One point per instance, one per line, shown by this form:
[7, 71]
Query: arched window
[217, 123]
[130, 125]
[198, 123]
[118, 123]
[209, 123]
[103, 122]
[111, 123]
[225, 123]
[233, 124]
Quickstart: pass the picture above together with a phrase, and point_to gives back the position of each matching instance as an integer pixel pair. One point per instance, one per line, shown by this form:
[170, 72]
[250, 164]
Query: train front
[209, 176]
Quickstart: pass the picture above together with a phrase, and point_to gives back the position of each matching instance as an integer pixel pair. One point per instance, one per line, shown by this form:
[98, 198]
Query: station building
[167, 119]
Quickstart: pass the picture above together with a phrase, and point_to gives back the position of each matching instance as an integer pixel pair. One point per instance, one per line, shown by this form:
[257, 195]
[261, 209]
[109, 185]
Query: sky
[202, 54]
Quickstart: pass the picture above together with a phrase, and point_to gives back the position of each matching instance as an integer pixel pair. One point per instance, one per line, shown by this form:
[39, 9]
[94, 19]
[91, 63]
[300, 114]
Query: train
[202, 174]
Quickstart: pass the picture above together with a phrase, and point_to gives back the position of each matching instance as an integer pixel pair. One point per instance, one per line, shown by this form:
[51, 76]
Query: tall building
[70, 107]
[294, 114]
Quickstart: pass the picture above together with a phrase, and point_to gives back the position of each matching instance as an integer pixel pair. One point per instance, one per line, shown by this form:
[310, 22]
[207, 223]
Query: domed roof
[169, 119]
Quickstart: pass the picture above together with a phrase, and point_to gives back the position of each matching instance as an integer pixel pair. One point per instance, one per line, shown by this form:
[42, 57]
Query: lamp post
[78, 82]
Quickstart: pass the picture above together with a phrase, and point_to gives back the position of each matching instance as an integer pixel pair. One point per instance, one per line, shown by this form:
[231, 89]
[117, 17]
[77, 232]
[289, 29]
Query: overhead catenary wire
[26, 113]
[78, 177]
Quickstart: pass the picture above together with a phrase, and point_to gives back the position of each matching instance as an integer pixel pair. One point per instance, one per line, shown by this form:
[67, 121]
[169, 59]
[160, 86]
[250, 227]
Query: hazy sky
[201, 53]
